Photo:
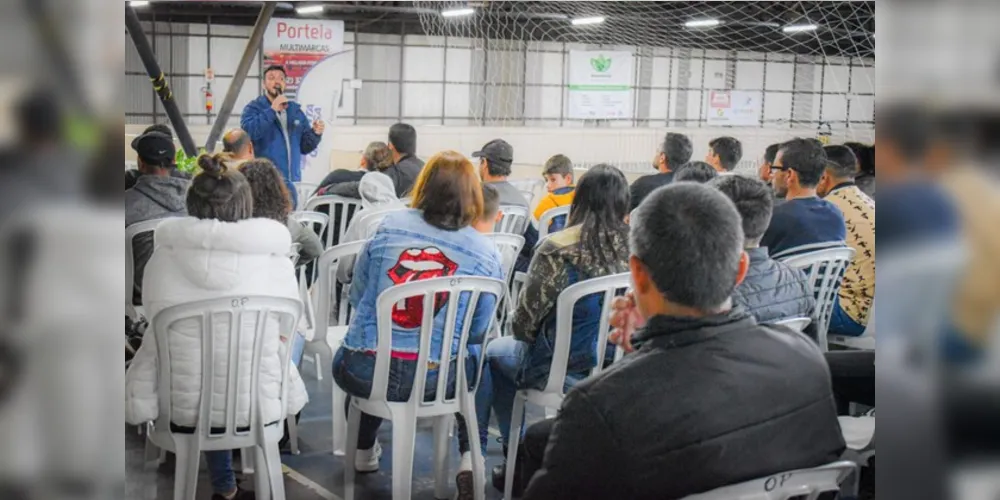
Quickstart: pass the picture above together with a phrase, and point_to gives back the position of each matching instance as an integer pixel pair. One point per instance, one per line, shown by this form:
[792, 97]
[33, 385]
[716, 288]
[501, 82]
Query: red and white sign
[298, 44]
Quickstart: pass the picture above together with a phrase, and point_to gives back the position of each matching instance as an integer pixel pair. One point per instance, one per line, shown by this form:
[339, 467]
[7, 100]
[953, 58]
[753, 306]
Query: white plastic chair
[314, 220]
[866, 342]
[529, 188]
[824, 270]
[509, 246]
[346, 207]
[304, 190]
[806, 483]
[131, 232]
[548, 216]
[404, 415]
[797, 324]
[552, 396]
[514, 220]
[247, 320]
[370, 220]
[326, 338]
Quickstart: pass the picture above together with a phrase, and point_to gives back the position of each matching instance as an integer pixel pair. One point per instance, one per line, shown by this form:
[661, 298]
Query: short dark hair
[558, 165]
[449, 191]
[703, 265]
[729, 150]
[491, 201]
[677, 149]
[403, 137]
[841, 162]
[235, 140]
[696, 171]
[161, 128]
[771, 153]
[807, 158]
[275, 67]
[498, 168]
[866, 157]
[271, 199]
[219, 192]
[754, 200]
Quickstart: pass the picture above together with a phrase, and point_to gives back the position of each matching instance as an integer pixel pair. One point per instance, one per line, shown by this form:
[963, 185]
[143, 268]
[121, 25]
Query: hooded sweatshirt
[378, 199]
[152, 197]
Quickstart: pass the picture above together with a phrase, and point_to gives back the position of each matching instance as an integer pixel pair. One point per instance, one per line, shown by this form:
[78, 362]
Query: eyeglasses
[779, 167]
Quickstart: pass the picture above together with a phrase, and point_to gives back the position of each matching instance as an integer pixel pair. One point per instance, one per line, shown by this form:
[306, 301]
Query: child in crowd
[558, 174]
[491, 210]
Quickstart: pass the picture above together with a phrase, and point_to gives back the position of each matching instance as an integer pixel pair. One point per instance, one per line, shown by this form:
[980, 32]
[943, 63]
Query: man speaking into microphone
[280, 130]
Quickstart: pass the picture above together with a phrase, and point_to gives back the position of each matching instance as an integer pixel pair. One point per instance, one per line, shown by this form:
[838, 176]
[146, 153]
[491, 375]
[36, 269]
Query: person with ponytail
[219, 251]
[594, 244]
[271, 200]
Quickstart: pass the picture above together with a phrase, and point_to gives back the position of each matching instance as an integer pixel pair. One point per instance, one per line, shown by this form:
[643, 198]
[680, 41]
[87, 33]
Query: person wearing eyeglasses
[804, 218]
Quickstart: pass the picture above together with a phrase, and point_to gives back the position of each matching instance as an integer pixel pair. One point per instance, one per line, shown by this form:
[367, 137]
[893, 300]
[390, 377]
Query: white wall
[461, 82]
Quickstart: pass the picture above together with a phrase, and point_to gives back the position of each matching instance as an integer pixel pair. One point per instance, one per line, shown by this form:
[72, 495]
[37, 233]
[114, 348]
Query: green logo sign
[601, 64]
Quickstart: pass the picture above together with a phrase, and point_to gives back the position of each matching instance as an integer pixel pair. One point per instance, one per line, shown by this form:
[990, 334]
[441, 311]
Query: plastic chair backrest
[509, 246]
[609, 286]
[546, 221]
[529, 188]
[370, 220]
[514, 220]
[824, 270]
[336, 205]
[326, 268]
[245, 314]
[805, 484]
[797, 324]
[131, 232]
[316, 221]
[305, 191]
[450, 290]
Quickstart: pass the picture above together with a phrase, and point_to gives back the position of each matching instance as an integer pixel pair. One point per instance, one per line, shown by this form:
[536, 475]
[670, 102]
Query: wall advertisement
[600, 85]
[298, 44]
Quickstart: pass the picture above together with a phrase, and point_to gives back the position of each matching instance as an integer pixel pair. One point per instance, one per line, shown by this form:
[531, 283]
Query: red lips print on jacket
[414, 265]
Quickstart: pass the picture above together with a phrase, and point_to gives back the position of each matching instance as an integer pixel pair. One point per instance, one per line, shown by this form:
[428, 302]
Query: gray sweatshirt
[155, 198]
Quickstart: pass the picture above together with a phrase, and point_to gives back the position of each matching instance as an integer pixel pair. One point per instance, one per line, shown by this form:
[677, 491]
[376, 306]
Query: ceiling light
[309, 9]
[799, 28]
[588, 20]
[138, 4]
[703, 23]
[468, 11]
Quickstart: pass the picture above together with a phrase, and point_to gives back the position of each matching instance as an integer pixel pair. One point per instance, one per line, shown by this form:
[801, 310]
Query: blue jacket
[406, 248]
[261, 123]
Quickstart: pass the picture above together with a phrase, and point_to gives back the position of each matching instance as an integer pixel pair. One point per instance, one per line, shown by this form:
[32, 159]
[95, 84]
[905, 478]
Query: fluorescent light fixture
[703, 23]
[309, 9]
[138, 4]
[468, 11]
[799, 28]
[580, 21]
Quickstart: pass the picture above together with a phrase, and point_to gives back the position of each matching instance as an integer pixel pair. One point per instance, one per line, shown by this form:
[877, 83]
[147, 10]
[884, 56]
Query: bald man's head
[237, 142]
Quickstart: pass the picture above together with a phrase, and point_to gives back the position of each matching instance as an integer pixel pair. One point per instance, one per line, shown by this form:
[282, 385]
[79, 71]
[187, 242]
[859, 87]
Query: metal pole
[253, 45]
[159, 80]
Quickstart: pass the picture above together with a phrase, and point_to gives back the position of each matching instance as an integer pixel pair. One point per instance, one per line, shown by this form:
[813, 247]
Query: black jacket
[404, 174]
[702, 403]
[645, 185]
[773, 291]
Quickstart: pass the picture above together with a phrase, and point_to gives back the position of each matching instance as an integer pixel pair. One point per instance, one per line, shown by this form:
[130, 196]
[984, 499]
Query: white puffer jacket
[206, 259]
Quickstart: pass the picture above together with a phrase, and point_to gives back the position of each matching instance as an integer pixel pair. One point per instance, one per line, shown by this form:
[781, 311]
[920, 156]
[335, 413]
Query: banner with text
[298, 44]
[734, 108]
[600, 85]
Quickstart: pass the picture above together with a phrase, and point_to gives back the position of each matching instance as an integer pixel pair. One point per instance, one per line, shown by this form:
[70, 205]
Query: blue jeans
[499, 386]
[354, 371]
[842, 324]
[298, 347]
[220, 471]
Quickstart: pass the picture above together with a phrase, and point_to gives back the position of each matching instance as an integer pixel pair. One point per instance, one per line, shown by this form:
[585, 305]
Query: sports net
[775, 69]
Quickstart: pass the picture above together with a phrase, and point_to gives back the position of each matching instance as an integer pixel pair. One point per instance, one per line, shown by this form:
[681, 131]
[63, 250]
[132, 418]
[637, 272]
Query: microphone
[281, 91]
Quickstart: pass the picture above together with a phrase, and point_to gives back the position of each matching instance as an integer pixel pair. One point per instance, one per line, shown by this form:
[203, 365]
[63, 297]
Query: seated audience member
[594, 244]
[378, 199]
[852, 309]
[673, 154]
[237, 143]
[491, 210]
[157, 194]
[865, 177]
[724, 154]
[377, 157]
[693, 407]
[406, 167]
[495, 162]
[558, 175]
[272, 201]
[771, 291]
[696, 171]
[220, 251]
[764, 172]
[447, 200]
[132, 175]
[804, 218]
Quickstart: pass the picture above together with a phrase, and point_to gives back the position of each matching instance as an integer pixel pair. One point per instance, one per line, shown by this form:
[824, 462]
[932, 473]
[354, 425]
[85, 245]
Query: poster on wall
[600, 85]
[298, 44]
[733, 108]
[323, 92]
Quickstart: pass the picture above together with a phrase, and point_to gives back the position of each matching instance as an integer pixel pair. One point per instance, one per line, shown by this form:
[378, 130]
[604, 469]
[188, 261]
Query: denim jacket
[405, 249]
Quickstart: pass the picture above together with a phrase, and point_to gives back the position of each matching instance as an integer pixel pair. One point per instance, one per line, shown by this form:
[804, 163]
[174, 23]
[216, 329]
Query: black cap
[154, 147]
[498, 151]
